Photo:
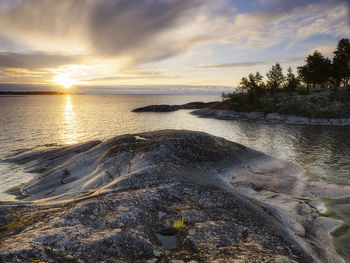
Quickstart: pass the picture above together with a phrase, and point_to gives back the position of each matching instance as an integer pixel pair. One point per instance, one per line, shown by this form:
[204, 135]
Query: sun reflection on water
[69, 132]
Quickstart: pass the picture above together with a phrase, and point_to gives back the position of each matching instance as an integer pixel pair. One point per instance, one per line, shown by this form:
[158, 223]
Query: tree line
[318, 72]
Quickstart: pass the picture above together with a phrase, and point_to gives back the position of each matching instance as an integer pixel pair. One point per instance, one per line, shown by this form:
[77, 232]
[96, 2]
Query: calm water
[32, 121]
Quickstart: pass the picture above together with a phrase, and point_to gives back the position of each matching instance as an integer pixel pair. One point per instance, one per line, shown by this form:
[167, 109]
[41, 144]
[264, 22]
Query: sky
[159, 46]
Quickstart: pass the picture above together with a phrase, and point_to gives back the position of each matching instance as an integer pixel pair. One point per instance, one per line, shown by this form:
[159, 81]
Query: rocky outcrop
[164, 196]
[168, 108]
[267, 118]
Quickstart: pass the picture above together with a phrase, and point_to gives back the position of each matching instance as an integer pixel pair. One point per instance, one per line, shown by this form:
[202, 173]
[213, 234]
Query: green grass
[179, 224]
[18, 222]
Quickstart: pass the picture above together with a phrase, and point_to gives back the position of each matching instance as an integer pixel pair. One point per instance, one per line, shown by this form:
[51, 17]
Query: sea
[31, 121]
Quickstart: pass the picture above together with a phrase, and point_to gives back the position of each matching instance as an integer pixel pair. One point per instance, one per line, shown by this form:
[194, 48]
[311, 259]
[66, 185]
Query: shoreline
[203, 110]
[268, 118]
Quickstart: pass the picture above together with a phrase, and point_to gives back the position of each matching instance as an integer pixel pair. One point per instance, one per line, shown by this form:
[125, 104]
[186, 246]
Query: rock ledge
[267, 118]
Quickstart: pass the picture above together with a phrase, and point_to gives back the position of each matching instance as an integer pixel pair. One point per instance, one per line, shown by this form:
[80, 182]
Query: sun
[64, 80]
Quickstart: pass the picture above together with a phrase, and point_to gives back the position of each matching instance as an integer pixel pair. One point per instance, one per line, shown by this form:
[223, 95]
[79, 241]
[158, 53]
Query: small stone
[157, 253]
[152, 260]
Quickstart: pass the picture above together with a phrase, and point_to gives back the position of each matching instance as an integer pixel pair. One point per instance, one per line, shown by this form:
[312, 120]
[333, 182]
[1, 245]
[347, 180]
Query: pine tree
[340, 70]
[316, 71]
[292, 82]
[275, 78]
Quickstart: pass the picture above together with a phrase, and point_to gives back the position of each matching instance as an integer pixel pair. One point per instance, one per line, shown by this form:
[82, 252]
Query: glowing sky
[159, 46]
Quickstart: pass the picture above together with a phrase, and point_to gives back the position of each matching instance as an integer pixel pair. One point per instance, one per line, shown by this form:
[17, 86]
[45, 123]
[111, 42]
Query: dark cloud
[36, 60]
[124, 25]
[111, 28]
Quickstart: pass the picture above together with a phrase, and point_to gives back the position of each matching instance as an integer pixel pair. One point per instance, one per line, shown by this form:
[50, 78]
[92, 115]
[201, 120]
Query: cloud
[114, 28]
[154, 89]
[292, 21]
[117, 39]
[124, 89]
[231, 65]
[36, 60]
[153, 30]
[124, 25]
[104, 79]
[247, 64]
[16, 75]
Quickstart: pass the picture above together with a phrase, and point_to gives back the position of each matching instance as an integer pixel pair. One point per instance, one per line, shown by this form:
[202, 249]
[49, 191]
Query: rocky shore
[165, 196]
[267, 118]
[169, 108]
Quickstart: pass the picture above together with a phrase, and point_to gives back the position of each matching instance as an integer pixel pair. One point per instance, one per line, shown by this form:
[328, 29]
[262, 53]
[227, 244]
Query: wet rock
[319, 121]
[256, 115]
[276, 117]
[297, 120]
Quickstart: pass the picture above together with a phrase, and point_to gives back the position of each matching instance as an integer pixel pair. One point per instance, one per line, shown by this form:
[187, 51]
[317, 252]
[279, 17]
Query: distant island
[33, 93]
[169, 108]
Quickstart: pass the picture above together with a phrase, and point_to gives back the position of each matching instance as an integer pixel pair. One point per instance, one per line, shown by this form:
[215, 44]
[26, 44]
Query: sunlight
[64, 80]
[69, 133]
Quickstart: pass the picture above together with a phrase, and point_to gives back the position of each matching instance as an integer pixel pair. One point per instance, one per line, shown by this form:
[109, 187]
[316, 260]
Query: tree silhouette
[341, 63]
[275, 78]
[292, 82]
[317, 70]
[253, 85]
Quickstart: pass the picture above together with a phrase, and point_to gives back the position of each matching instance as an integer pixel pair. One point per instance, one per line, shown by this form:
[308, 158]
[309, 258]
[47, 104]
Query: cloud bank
[132, 37]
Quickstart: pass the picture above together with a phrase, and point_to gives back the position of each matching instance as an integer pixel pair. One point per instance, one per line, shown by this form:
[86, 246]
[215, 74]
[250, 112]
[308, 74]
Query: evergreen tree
[341, 63]
[275, 78]
[292, 82]
[317, 70]
[253, 84]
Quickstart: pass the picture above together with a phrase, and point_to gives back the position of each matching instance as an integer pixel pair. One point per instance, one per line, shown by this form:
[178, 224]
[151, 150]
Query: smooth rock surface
[110, 201]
